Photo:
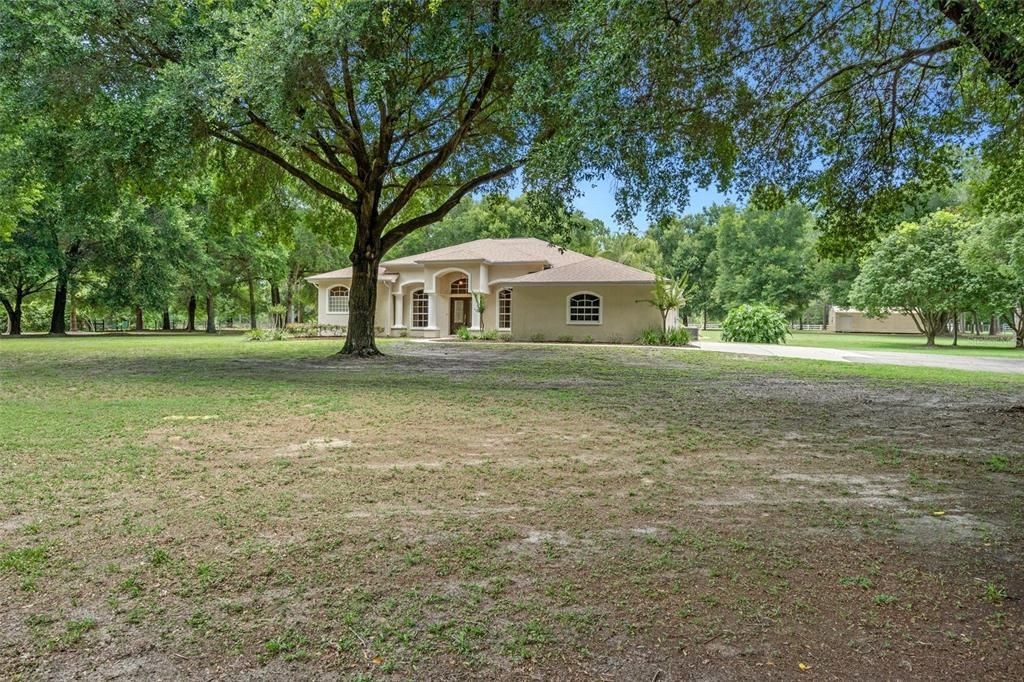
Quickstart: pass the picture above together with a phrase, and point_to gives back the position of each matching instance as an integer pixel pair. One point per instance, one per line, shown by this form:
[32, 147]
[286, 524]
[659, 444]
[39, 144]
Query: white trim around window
[337, 300]
[505, 310]
[585, 308]
[420, 318]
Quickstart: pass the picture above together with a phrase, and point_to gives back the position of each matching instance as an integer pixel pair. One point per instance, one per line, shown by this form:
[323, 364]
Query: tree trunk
[140, 323]
[166, 326]
[60, 303]
[275, 299]
[13, 314]
[191, 326]
[993, 326]
[211, 322]
[1016, 321]
[704, 314]
[956, 328]
[289, 303]
[362, 302]
[930, 324]
[252, 304]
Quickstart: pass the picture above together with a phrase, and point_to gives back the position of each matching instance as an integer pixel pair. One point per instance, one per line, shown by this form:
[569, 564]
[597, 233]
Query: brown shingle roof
[516, 250]
[566, 267]
[589, 271]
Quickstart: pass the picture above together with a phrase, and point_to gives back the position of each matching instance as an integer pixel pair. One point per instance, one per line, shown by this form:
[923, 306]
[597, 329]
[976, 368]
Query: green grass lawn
[187, 507]
[995, 348]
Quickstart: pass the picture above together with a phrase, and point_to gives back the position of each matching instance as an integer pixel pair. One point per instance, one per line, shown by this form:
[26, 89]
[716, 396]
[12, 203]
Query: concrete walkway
[965, 362]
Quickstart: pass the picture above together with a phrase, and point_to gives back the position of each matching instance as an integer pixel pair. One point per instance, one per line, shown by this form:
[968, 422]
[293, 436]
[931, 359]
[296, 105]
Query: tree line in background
[92, 252]
[239, 248]
[951, 258]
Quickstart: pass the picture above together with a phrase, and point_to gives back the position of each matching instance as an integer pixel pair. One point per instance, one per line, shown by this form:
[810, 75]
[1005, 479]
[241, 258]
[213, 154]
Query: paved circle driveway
[969, 363]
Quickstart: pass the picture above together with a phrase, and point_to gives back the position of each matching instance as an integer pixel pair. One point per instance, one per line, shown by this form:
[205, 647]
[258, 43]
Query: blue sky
[598, 201]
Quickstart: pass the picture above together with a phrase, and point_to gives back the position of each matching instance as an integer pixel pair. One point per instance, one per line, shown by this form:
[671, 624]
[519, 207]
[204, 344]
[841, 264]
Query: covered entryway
[460, 308]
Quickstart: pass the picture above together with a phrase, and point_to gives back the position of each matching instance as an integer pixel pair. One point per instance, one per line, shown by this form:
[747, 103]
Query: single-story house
[532, 289]
[851, 320]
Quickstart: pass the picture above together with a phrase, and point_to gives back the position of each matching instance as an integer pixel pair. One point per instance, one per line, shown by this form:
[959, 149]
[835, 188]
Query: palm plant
[480, 303]
[668, 295]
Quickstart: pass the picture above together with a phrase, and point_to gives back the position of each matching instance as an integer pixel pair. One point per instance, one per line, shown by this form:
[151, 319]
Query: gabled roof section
[561, 266]
[516, 250]
[594, 270]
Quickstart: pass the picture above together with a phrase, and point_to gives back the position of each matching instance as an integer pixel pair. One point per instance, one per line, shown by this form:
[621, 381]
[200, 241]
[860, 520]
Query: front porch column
[432, 300]
[475, 326]
[399, 310]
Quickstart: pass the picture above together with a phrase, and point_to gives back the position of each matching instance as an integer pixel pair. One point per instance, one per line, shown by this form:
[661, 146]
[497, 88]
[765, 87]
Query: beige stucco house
[532, 289]
[851, 320]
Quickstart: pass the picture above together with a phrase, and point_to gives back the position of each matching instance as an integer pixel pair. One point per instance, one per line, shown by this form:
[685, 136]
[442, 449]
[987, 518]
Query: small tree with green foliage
[755, 323]
[668, 295]
[689, 246]
[917, 270]
[142, 269]
[26, 268]
[766, 257]
[480, 303]
[995, 252]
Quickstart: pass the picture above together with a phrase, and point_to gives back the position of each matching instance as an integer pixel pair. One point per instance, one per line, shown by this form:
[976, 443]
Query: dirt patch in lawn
[473, 512]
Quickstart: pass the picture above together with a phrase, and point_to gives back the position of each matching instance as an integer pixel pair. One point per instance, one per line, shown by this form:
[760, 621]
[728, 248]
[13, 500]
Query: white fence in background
[792, 325]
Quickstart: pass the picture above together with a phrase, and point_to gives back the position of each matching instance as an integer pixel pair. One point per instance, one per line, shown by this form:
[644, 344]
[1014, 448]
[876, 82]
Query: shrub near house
[754, 324]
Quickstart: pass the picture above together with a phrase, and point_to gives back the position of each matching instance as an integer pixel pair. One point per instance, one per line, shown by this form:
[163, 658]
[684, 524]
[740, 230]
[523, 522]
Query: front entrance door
[460, 314]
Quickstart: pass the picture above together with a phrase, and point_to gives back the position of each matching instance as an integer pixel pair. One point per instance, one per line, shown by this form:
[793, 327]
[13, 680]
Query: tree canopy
[394, 112]
[995, 253]
[918, 270]
[689, 245]
[766, 257]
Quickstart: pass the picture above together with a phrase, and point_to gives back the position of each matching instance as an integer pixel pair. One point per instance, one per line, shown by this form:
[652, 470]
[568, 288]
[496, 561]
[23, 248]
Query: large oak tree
[397, 110]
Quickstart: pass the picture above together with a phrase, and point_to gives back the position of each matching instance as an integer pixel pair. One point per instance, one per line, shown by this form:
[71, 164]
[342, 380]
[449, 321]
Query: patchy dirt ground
[206, 509]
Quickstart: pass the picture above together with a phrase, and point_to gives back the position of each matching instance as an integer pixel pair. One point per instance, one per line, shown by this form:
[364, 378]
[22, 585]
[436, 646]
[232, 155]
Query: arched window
[584, 308]
[505, 309]
[420, 309]
[337, 300]
[460, 286]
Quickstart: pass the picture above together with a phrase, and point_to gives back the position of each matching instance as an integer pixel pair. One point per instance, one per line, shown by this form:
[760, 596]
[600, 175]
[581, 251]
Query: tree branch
[876, 67]
[350, 97]
[245, 143]
[1003, 51]
[399, 232]
[334, 163]
[353, 137]
[455, 139]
